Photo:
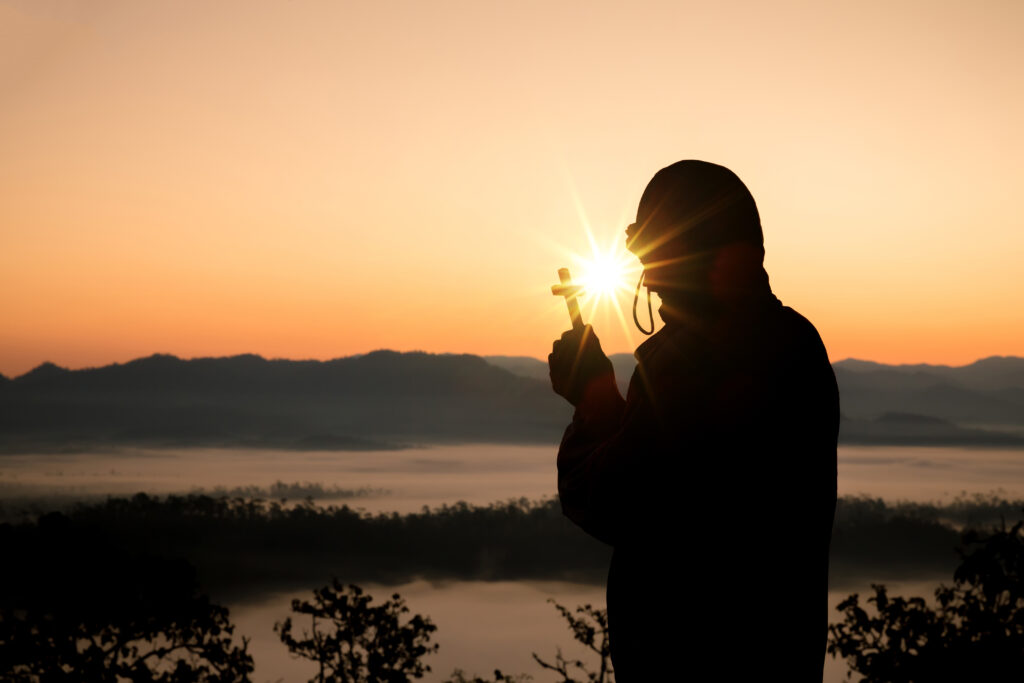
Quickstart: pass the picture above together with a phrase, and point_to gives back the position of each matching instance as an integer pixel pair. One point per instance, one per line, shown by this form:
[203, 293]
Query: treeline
[245, 545]
[26, 502]
[283, 492]
[964, 511]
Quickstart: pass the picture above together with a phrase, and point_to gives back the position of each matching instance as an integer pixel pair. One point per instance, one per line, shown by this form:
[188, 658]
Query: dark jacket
[715, 482]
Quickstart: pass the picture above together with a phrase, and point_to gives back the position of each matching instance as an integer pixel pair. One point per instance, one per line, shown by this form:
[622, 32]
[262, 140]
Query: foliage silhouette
[591, 630]
[357, 642]
[354, 641]
[974, 632]
[73, 609]
[194, 646]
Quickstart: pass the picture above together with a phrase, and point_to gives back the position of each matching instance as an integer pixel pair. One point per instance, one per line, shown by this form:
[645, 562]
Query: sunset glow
[315, 180]
[323, 293]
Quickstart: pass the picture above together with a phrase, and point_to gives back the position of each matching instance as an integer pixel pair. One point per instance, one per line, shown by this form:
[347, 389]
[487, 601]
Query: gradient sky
[317, 179]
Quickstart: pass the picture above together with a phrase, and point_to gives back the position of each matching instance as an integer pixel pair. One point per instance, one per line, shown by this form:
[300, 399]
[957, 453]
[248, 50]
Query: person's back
[715, 479]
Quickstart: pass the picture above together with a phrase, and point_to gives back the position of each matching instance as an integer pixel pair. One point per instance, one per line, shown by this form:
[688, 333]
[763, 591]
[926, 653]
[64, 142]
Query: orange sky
[317, 179]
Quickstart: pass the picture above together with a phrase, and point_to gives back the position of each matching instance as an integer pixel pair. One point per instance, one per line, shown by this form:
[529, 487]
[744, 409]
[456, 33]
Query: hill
[988, 393]
[377, 400]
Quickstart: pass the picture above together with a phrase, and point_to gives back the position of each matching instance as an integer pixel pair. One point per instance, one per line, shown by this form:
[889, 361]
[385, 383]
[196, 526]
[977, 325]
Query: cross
[570, 292]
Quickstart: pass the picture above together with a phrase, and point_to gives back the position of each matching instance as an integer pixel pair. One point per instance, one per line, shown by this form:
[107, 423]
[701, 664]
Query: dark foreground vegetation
[79, 608]
[241, 547]
[119, 615]
[352, 638]
[116, 615]
[155, 628]
[118, 590]
[973, 630]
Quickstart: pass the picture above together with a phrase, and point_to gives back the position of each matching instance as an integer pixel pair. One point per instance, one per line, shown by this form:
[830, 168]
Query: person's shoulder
[797, 323]
[799, 334]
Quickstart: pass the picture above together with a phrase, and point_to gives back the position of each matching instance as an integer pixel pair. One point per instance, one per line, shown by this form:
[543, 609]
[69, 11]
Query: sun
[603, 275]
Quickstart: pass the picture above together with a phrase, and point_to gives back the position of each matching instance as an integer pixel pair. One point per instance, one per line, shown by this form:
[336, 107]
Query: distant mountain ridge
[986, 374]
[986, 393]
[376, 400]
[981, 403]
[387, 399]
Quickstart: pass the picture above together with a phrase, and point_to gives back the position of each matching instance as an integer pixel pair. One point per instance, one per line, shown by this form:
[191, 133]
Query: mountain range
[387, 399]
[977, 404]
[377, 400]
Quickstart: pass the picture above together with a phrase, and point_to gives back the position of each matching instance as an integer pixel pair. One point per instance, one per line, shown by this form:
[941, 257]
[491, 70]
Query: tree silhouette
[195, 646]
[591, 630]
[974, 632]
[357, 642]
[74, 607]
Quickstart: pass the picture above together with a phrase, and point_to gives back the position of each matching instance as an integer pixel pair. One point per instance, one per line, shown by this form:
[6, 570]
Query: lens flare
[602, 275]
[606, 272]
[606, 276]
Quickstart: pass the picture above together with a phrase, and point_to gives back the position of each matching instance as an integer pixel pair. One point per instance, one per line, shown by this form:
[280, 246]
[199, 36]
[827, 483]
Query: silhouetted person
[715, 479]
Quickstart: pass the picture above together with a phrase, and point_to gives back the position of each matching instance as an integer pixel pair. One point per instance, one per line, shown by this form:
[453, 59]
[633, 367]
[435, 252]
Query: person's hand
[575, 362]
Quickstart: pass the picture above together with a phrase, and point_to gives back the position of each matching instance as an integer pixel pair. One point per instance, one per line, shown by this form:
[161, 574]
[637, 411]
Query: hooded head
[698, 234]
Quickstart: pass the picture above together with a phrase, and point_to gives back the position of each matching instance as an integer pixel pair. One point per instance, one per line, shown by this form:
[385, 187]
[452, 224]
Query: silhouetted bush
[355, 641]
[75, 608]
[590, 629]
[974, 631]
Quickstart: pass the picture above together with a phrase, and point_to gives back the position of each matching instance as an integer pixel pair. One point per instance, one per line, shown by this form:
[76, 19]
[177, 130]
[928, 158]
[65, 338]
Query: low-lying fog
[406, 480]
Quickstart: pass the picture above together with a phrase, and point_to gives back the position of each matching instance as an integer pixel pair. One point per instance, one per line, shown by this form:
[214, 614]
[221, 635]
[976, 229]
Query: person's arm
[588, 457]
[582, 374]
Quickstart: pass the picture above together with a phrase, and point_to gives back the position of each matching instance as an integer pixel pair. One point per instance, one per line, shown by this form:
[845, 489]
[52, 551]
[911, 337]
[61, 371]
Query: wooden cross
[570, 292]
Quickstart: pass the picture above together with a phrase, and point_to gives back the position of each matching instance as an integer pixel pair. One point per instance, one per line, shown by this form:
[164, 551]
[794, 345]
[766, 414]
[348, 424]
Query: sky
[320, 179]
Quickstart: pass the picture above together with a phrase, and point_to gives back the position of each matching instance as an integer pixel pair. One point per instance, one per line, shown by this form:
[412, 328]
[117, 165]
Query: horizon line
[159, 354]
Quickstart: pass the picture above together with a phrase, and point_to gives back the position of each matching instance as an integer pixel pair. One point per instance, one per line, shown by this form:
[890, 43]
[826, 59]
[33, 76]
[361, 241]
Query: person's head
[698, 234]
